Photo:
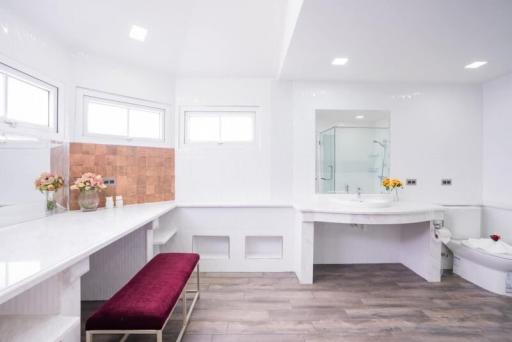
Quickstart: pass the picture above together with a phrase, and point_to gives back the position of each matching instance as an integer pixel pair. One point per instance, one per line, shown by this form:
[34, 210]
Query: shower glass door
[327, 169]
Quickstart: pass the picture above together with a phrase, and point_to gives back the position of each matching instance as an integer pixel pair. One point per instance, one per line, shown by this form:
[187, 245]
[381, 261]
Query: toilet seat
[481, 256]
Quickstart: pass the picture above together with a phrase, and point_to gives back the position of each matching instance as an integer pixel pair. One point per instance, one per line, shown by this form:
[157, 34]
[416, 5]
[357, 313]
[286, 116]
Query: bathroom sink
[366, 202]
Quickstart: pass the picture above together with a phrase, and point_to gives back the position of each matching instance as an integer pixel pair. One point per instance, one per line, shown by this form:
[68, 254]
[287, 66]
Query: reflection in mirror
[23, 158]
[353, 150]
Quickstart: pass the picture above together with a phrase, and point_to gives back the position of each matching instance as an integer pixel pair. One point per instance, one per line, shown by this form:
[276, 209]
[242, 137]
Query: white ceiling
[386, 40]
[401, 40]
[233, 38]
[191, 37]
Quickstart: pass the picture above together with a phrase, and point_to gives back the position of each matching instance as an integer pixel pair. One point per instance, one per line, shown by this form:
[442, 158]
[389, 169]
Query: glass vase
[51, 203]
[395, 195]
[88, 200]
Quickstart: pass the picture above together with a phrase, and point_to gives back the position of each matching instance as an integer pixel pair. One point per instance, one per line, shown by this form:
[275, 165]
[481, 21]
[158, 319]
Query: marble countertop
[234, 205]
[33, 251]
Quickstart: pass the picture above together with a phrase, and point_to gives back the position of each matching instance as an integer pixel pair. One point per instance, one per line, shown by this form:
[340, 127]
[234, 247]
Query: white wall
[497, 220]
[224, 174]
[435, 133]
[340, 243]
[281, 134]
[32, 48]
[235, 225]
[497, 164]
[497, 141]
[92, 72]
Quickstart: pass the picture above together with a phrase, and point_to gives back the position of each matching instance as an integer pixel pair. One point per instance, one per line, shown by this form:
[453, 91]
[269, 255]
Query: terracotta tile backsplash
[142, 174]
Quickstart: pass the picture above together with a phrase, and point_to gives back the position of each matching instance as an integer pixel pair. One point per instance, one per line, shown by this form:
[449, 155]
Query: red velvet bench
[146, 302]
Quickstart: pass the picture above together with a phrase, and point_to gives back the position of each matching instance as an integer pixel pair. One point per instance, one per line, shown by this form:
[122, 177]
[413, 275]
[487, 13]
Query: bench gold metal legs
[187, 314]
[159, 333]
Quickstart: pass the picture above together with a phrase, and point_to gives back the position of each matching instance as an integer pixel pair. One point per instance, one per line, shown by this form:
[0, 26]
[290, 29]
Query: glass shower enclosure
[352, 159]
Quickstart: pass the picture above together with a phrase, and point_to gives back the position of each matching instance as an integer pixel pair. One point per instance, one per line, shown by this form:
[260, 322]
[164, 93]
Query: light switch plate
[446, 181]
[111, 181]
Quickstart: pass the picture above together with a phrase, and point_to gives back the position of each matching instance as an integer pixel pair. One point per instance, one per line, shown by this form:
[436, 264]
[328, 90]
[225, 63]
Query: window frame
[212, 110]
[84, 97]
[55, 128]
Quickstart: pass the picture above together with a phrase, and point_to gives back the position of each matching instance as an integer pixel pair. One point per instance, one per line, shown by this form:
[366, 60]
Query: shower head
[382, 144]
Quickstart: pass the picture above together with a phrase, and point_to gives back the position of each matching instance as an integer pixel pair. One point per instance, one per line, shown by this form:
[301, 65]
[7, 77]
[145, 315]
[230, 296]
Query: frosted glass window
[145, 124]
[122, 119]
[27, 103]
[203, 128]
[107, 119]
[237, 127]
[219, 127]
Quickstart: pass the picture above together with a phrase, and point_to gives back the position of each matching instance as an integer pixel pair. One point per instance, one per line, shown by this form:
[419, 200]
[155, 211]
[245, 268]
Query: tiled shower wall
[142, 174]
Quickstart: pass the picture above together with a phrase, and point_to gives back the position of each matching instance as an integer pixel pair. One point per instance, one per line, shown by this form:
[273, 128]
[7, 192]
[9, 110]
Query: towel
[490, 246]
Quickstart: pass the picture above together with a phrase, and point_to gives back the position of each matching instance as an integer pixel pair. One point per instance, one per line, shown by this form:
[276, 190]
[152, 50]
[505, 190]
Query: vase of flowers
[393, 185]
[89, 185]
[48, 183]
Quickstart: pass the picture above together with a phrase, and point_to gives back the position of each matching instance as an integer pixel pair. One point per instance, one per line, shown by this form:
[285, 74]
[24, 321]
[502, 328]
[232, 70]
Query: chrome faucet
[347, 188]
[359, 194]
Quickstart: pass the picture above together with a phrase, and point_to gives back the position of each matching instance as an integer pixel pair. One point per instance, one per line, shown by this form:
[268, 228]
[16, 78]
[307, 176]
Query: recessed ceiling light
[138, 33]
[339, 61]
[475, 65]
[359, 117]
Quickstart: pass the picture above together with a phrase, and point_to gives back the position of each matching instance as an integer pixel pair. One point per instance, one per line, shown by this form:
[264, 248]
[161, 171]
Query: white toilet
[492, 272]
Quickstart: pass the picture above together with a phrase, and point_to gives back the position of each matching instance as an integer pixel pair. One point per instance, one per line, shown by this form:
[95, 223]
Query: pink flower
[49, 182]
[89, 181]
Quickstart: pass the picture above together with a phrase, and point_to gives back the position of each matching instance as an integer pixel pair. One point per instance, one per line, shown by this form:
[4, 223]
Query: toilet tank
[464, 222]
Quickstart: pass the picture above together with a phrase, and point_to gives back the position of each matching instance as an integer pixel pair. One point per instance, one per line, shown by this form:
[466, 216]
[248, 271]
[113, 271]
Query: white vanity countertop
[335, 211]
[404, 207]
[234, 205]
[33, 251]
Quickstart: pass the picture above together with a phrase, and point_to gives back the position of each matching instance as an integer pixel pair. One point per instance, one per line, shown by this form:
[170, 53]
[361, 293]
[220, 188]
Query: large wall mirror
[353, 150]
[23, 158]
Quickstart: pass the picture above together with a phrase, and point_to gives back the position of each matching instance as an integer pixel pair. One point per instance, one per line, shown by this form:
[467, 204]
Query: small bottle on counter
[119, 201]
[109, 202]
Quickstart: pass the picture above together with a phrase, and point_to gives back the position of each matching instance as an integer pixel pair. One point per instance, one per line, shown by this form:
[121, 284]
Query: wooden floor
[346, 303]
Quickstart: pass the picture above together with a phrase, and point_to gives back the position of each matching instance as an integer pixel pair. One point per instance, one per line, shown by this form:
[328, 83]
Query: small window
[218, 126]
[103, 118]
[26, 101]
[115, 117]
